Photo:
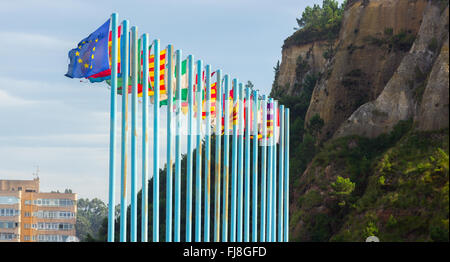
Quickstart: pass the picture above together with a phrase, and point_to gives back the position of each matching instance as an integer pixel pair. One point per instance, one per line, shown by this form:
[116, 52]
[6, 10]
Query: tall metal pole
[280, 175]
[270, 172]
[177, 149]
[226, 156]
[112, 129]
[134, 109]
[145, 79]
[263, 170]
[124, 153]
[218, 156]
[234, 162]
[189, 150]
[286, 177]
[248, 118]
[274, 173]
[155, 144]
[240, 170]
[169, 163]
[198, 164]
[255, 168]
[207, 154]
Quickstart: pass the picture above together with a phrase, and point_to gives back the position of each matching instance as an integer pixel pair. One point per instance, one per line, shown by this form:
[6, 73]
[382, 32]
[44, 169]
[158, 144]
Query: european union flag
[91, 55]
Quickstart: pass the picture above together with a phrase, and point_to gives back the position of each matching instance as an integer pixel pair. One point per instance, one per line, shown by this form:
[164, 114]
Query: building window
[52, 238]
[9, 200]
[54, 214]
[27, 214]
[26, 238]
[54, 202]
[7, 236]
[8, 224]
[9, 212]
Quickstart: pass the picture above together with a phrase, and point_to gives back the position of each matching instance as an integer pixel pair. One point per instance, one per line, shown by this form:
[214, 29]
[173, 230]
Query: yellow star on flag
[86, 65]
[80, 60]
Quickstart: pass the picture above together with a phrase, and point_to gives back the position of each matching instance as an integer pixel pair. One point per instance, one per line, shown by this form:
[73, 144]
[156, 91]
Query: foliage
[318, 23]
[342, 169]
[408, 188]
[343, 186]
[402, 41]
[249, 84]
[433, 45]
[315, 125]
[90, 215]
[302, 145]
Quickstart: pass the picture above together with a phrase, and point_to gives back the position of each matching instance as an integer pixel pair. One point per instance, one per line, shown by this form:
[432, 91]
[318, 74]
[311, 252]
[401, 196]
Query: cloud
[33, 40]
[7, 100]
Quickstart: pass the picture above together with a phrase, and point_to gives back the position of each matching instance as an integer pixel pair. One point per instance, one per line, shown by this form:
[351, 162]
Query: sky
[61, 125]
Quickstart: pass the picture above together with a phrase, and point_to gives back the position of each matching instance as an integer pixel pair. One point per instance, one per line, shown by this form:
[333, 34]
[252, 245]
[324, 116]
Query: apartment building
[28, 215]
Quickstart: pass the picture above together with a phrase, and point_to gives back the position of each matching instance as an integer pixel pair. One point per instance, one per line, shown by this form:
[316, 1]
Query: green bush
[389, 31]
[433, 45]
[343, 186]
[318, 23]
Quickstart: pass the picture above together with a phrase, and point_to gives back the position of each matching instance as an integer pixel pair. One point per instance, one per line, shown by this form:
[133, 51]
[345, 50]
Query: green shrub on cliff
[318, 23]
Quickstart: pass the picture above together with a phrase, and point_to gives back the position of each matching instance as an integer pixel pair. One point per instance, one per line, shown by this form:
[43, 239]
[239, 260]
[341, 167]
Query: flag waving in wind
[91, 55]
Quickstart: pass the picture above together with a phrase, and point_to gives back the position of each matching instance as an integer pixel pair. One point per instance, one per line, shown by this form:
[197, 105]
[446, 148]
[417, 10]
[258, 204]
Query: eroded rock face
[374, 38]
[433, 109]
[312, 53]
[404, 94]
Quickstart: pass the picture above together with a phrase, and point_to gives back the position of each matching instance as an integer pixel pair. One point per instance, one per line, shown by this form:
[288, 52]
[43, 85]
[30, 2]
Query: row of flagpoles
[262, 117]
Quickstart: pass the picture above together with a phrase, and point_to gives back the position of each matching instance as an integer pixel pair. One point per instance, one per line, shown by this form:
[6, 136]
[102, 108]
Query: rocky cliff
[378, 152]
[418, 88]
[292, 74]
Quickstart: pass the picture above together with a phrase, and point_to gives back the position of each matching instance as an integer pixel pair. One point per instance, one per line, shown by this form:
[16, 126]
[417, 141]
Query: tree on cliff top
[318, 23]
[320, 18]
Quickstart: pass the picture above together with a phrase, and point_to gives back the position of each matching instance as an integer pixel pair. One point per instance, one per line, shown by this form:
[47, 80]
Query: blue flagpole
[144, 201]
[247, 166]
[263, 170]
[155, 145]
[255, 168]
[240, 170]
[234, 163]
[218, 156]
[274, 173]
[169, 145]
[207, 153]
[125, 60]
[112, 129]
[198, 164]
[134, 95]
[177, 148]
[226, 157]
[286, 177]
[280, 176]
[269, 175]
[189, 150]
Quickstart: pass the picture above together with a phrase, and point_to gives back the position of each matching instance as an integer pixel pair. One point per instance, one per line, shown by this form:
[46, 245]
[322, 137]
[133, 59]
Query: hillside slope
[369, 124]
